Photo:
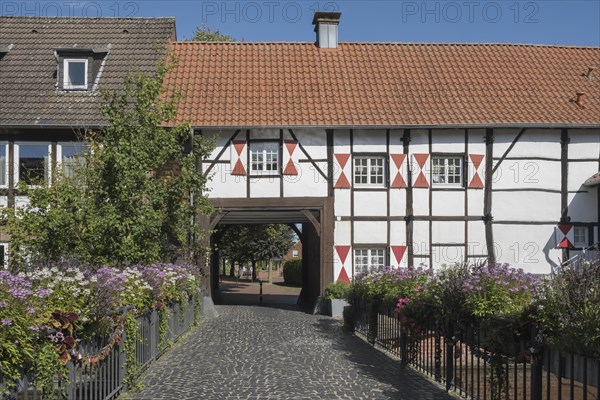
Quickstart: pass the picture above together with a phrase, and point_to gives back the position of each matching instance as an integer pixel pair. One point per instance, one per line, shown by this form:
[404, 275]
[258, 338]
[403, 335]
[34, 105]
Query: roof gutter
[439, 126]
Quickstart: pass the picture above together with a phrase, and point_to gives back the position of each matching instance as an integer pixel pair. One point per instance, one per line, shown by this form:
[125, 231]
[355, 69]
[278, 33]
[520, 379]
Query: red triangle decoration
[476, 159]
[342, 182]
[239, 146]
[291, 146]
[562, 236]
[398, 252]
[476, 182]
[421, 159]
[343, 252]
[398, 182]
[290, 168]
[421, 181]
[343, 276]
[565, 244]
[342, 159]
[239, 168]
[398, 159]
[565, 228]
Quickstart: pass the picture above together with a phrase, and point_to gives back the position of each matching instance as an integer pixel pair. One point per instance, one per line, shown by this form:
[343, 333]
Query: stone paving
[254, 352]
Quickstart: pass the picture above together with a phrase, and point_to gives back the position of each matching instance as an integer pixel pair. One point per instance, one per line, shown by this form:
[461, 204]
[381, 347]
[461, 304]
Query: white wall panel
[397, 233]
[528, 174]
[222, 184]
[264, 134]
[579, 172]
[447, 256]
[3, 201]
[448, 203]
[398, 202]
[221, 137]
[314, 141]
[533, 143]
[476, 238]
[526, 206]
[420, 238]
[584, 143]
[369, 140]
[448, 232]
[448, 140]
[341, 141]
[372, 203]
[21, 201]
[342, 233]
[342, 202]
[396, 144]
[531, 247]
[367, 232]
[476, 141]
[308, 182]
[421, 201]
[583, 207]
[264, 187]
[475, 199]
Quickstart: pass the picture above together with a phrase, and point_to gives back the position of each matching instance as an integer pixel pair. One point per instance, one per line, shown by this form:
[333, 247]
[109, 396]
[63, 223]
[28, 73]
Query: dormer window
[75, 75]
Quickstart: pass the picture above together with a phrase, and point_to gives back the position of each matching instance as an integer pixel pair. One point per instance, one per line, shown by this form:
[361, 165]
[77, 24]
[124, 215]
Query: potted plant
[335, 294]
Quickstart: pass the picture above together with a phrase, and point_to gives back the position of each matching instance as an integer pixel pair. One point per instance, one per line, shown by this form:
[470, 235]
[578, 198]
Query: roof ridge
[85, 18]
[424, 44]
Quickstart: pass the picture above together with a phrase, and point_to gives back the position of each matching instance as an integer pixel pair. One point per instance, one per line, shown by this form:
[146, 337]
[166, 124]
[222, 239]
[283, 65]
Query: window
[580, 236]
[72, 158]
[264, 158]
[294, 253]
[368, 171]
[75, 74]
[447, 170]
[34, 163]
[367, 261]
[3, 165]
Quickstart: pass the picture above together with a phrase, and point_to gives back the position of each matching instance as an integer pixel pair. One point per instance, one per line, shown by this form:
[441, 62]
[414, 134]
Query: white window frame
[446, 158]
[368, 251]
[17, 160]
[254, 170]
[370, 160]
[5, 146]
[295, 253]
[579, 231]
[59, 152]
[66, 84]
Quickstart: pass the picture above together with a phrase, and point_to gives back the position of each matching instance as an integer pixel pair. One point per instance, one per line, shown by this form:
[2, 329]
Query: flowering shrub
[62, 305]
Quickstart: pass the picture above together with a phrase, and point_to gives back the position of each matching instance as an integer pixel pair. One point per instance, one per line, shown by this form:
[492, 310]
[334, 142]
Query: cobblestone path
[252, 352]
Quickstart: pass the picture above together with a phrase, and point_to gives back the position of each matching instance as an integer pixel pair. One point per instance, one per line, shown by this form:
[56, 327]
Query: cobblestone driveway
[268, 353]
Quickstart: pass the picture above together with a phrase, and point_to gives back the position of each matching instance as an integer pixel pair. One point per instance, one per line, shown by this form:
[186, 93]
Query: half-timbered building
[400, 154]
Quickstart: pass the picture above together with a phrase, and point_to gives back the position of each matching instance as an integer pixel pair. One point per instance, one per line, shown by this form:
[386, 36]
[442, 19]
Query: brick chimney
[326, 28]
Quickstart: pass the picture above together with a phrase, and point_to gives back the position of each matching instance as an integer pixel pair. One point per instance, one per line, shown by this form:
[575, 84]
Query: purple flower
[30, 309]
[43, 293]
[3, 304]
[19, 293]
[7, 322]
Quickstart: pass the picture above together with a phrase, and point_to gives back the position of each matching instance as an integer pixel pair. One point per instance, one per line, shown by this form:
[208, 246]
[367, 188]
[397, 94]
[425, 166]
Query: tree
[252, 243]
[205, 34]
[130, 200]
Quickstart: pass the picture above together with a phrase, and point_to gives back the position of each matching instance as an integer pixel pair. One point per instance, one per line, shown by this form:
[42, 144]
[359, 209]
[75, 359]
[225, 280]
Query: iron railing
[493, 359]
[99, 374]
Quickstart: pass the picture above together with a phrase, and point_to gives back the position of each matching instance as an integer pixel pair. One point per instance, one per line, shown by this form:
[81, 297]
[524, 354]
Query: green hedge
[292, 272]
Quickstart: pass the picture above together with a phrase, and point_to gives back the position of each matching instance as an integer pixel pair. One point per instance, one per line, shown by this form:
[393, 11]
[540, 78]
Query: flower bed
[45, 314]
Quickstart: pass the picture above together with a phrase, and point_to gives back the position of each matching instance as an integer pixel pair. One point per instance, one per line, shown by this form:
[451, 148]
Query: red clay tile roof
[367, 84]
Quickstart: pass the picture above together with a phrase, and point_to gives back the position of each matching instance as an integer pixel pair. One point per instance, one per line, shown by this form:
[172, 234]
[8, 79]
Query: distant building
[295, 252]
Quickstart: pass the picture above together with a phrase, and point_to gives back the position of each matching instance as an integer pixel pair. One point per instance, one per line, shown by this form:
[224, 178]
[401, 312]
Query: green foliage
[568, 310]
[292, 272]
[245, 243]
[205, 34]
[132, 366]
[130, 201]
[47, 368]
[337, 290]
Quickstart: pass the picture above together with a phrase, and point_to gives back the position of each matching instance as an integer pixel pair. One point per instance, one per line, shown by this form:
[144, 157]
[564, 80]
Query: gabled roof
[28, 91]
[384, 84]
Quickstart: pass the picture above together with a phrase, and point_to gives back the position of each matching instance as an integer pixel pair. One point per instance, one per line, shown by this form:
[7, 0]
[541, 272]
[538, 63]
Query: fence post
[373, 321]
[449, 339]
[122, 364]
[537, 365]
[403, 346]
[438, 352]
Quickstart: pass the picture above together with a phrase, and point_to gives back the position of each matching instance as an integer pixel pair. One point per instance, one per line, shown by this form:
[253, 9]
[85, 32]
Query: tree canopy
[130, 199]
[250, 243]
[205, 34]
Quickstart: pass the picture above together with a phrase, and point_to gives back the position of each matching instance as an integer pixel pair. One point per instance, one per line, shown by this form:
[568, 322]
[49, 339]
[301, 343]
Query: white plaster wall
[21, 201]
[397, 202]
[584, 143]
[533, 143]
[526, 206]
[369, 141]
[222, 184]
[533, 248]
[448, 232]
[397, 233]
[420, 238]
[447, 256]
[342, 233]
[3, 201]
[265, 187]
[421, 201]
[221, 137]
[342, 202]
[579, 172]
[583, 207]
[264, 134]
[371, 203]
[476, 238]
[448, 140]
[396, 144]
[370, 232]
[314, 142]
[341, 141]
[528, 174]
[477, 141]
[448, 203]
[308, 183]
[475, 199]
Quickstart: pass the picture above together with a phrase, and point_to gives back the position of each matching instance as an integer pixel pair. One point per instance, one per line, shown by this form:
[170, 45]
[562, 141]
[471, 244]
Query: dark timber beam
[296, 230]
[223, 150]
[313, 220]
[215, 221]
[514, 142]
[409, 201]
[319, 170]
[487, 196]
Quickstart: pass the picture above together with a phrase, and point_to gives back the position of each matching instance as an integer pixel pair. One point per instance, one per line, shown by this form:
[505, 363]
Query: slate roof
[28, 92]
[385, 84]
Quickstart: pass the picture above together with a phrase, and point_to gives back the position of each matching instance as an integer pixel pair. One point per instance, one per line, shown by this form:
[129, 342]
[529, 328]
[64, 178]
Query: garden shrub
[337, 290]
[292, 272]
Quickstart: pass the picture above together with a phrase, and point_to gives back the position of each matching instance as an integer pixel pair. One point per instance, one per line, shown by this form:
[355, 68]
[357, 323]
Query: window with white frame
[447, 170]
[33, 163]
[75, 74]
[294, 253]
[264, 158]
[580, 236]
[368, 261]
[72, 157]
[3, 164]
[369, 171]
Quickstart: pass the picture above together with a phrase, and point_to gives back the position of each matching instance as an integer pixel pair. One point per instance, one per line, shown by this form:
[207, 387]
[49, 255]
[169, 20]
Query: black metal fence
[493, 359]
[99, 373]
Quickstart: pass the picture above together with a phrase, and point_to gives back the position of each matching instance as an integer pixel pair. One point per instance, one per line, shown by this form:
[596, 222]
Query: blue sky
[545, 22]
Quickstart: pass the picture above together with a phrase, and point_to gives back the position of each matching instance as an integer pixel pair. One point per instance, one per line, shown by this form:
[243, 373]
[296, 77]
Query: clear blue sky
[547, 21]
